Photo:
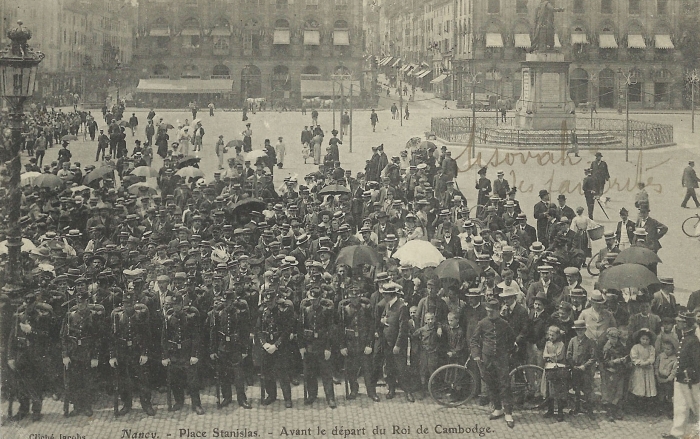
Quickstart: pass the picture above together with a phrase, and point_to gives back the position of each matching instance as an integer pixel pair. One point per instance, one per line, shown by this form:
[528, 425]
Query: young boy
[580, 356]
[665, 371]
[430, 337]
[615, 360]
[457, 343]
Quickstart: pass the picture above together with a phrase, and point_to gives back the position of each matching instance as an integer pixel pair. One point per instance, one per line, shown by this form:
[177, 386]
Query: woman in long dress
[580, 224]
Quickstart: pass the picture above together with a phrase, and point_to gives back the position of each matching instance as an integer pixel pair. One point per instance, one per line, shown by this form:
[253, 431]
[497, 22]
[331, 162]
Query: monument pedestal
[544, 99]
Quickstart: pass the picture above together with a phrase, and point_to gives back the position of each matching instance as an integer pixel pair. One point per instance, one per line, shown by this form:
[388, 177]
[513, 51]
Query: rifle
[345, 376]
[66, 402]
[262, 374]
[218, 383]
[115, 396]
[168, 392]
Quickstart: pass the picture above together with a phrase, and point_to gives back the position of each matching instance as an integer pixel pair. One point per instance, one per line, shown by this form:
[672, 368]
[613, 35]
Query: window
[579, 7]
[162, 42]
[661, 7]
[311, 4]
[606, 6]
[635, 7]
[635, 92]
[221, 43]
[494, 6]
[661, 92]
[341, 4]
[521, 7]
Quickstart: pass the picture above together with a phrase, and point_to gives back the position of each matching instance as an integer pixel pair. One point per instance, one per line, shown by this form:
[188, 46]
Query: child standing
[665, 372]
[581, 358]
[555, 372]
[613, 373]
[429, 336]
[643, 356]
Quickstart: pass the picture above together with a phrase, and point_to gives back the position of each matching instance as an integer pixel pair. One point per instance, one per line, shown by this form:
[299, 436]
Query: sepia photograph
[349, 219]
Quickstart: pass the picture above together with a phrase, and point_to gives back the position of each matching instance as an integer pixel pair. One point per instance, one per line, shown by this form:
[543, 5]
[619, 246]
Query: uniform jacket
[395, 329]
[493, 340]
[181, 335]
[690, 178]
[689, 358]
[130, 331]
[355, 324]
[81, 330]
[230, 327]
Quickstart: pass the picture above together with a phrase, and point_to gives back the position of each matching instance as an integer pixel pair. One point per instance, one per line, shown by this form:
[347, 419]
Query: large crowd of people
[196, 282]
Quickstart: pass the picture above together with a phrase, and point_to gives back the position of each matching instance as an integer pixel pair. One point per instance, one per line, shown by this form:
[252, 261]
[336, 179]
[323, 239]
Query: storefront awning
[439, 79]
[417, 71]
[607, 41]
[396, 62]
[341, 38]
[493, 40]
[190, 32]
[385, 60]
[281, 36]
[323, 88]
[635, 42]
[160, 32]
[579, 38]
[221, 31]
[663, 42]
[522, 41]
[423, 74]
[184, 86]
[312, 38]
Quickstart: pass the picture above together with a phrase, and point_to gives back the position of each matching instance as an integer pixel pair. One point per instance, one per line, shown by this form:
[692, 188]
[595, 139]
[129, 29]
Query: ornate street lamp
[18, 71]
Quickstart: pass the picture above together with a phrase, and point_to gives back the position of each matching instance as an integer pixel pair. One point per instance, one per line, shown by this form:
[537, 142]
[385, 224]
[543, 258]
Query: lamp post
[18, 69]
[693, 80]
[629, 80]
[474, 79]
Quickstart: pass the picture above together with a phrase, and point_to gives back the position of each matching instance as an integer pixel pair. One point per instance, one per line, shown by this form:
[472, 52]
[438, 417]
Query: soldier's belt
[352, 333]
[309, 334]
[128, 343]
[78, 340]
[178, 344]
[230, 338]
[268, 336]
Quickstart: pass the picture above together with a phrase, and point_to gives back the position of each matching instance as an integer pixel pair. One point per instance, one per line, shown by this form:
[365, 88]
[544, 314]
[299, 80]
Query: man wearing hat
[182, 350]
[541, 214]
[686, 387]
[547, 284]
[500, 185]
[129, 347]
[483, 185]
[690, 183]
[80, 339]
[654, 228]
[624, 233]
[491, 345]
[599, 172]
[26, 354]
[664, 302]
[393, 335]
[432, 303]
[597, 317]
[581, 357]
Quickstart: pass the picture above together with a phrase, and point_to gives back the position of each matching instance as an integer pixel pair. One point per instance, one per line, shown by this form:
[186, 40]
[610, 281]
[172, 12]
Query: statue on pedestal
[543, 40]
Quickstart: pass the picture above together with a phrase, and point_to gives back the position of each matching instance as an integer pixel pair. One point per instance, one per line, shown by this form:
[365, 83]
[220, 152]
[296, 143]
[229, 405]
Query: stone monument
[544, 102]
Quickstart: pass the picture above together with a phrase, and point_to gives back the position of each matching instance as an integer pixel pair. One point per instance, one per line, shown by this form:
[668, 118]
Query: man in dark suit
[301, 252]
[501, 186]
[547, 285]
[624, 241]
[690, 183]
[541, 214]
[383, 228]
[599, 171]
[664, 302]
[517, 317]
[563, 209]
[393, 332]
[655, 229]
[525, 231]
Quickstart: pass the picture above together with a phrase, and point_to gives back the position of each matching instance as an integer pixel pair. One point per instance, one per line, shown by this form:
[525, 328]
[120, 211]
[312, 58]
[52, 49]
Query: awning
[635, 42]
[607, 41]
[579, 38]
[440, 78]
[663, 42]
[312, 38]
[385, 60]
[395, 63]
[341, 38]
[522, 41]
[281, 36]
[184, 86]
[190, 31]
[417, 71]
[323, 88]
[423, 74]
[221, 32]
[160, 32]
[557, 42]
[493, 40]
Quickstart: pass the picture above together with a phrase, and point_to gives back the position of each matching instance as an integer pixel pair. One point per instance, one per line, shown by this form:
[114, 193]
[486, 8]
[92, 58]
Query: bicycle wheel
[592, 269]
[525, 382]
[452, 385]
[690, 226]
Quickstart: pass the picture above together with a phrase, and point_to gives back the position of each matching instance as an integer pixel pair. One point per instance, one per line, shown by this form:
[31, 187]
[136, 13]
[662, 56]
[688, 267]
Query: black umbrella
[334, 189]
[98, 174]
[69, 137]
[248, 205]
[233, 144]
[187, 161]
[356, 255]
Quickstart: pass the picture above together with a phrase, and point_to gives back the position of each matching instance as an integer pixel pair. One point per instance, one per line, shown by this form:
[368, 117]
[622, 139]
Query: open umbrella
[248, 205]
[196, 121]
[413, 142]
[79, 188]
[426, 144]
[27, 246]
[637, 255]
[458, 268]
[27, 178]
[626, 276]
[190, 171]
[355, 255]
[187, 161]
[419, 253]
[136, 189]
[48, 181]
[98, 174]
[166, 126]
[233, 144]
[123, 123]
[144, 171]
[254, 155]
[334, 189]
[69, 137]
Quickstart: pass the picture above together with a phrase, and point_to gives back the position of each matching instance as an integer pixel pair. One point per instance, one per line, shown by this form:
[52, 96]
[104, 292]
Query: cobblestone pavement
[359, 418]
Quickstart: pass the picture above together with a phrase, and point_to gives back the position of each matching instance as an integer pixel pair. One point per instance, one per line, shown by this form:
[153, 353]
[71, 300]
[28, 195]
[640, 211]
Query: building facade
[607, 41]
[267, 48]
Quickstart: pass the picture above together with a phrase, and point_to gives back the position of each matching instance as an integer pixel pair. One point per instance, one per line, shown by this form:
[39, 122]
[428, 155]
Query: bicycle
[592, 268]
[525, 382]
[452, 385]
[691, 226]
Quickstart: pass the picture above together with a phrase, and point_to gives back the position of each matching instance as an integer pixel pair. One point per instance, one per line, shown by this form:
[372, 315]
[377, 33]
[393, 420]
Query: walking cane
[601, 208]
[345, 376]
[115, 396]
[66, 402]
[217, 371]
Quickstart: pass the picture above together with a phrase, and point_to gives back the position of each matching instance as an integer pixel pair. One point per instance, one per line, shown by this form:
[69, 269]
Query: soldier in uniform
[356, 341]
[315, 325]
[80, 334]
[29, 341]
[230, 343]
[274, 326]
[181, 350]
[130, 345]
